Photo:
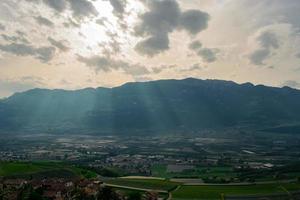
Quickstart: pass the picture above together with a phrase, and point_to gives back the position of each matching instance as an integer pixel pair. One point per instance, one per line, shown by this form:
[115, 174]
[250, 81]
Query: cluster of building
[53, 189]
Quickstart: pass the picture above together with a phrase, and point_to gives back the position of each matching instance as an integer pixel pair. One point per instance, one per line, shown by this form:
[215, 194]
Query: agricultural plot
[196, 172]
[218, 192]
[153, 184]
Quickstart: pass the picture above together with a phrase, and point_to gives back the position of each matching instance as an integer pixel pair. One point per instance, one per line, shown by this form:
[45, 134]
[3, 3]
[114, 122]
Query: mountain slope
[188, 104]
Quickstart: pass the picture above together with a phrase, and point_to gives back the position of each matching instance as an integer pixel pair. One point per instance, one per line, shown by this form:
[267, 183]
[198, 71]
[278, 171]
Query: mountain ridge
[190, 78]
[164, 105]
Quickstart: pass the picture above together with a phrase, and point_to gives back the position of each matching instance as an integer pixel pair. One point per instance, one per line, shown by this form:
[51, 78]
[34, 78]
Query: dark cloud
[114, 43]
[58, 5]
[163, 17]
[153, 45]
[61, 44]
[259, 56]
[268, 42]
[273, 11]
[2, 27]
[194, 67]
[194, 21]
[136, 70]
[18, 49]
[118, 6]
[44, 54]
[208, 55]
[119, 11]
[102, 21]
[157, 70]
[82, 9]
[44, 21]
[292, 83]
[21, 33]
[71, 23]
[13, 38]
[107, 64]
[195, 45]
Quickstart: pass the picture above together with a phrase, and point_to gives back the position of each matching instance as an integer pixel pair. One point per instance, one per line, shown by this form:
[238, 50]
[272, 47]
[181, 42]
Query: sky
[73, 44]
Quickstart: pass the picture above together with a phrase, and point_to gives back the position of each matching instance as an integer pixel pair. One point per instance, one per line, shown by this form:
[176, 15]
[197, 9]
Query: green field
[215, 192]
[198, 172]
[152, 184]
[38, 169]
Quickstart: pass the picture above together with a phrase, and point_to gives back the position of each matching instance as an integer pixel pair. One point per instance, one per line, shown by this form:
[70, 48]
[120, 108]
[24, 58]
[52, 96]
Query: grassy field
[23, 169]
[153, 184]
[214, 192]
[128, 192]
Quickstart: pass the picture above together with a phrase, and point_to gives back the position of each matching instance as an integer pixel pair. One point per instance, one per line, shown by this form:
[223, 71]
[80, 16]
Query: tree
[106, 193]
[134, 196]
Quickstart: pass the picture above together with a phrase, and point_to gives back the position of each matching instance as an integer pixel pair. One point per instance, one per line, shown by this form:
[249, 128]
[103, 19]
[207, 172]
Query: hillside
[165, 105]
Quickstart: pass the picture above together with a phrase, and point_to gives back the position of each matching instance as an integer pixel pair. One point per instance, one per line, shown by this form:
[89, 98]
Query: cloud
[162, 18]
[291, 83]
[207, 54]
[14, 38]
[194, 67]
[44, 21]
[194, 21]
[107, 64]
[195, 45]
[157, 70]
[71, 23]
[21, 33]
[59, 44]
[153, 45]
[297, 55]
[82, 9]
[259, 56]
[2, 27]
[58, 5]
[267, 12]
[44, 54]
[268, 41]
[119, 11]
[118, 6]
[136, 70]
[113, 46]
[101, 21]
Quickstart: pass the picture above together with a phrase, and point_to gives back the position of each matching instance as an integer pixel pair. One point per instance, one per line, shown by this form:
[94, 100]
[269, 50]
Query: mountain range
[163, 105]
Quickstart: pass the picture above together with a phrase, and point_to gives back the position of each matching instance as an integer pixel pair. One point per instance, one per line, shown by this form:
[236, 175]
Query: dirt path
[170, 193]
[135, 188]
